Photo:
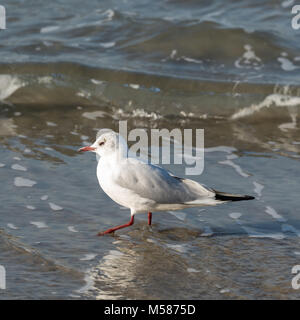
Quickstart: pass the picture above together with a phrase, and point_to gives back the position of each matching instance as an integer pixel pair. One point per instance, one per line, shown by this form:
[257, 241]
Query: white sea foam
[12, 226]
[177, 247]
[272, 212]
[55, 207]
[89, 256]
[192, 270]
[45, 80]
[30, 207]
[287, 126]
[231, 156]
[2, 165]
[94, 115]
[44, 197]
[109, 14]
[39, 224]
[72, 229]
[235, 215]
[49, 29]
[107, 44]
[151, 241]
[23, 182]
[51, 124]
[287, 3]
[83, 94]
[141, 113]
[258, 234]
[134, 86]
[8, 85]
[18, 167]
[89, 282]
[290, 125]
[207, 232]
[276, 99]
[221, 149]
[136, 113]
[178, 214]
[187, 59]
[173, 56]
[95, 81]
[224, 290]
[258, 188]
[237, 168]
[286, 64]
[124, 236]
[113, 254]
[249, 60]
[191, 114]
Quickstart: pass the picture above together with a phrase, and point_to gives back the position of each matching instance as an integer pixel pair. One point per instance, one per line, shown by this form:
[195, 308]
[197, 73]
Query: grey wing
[155, 183]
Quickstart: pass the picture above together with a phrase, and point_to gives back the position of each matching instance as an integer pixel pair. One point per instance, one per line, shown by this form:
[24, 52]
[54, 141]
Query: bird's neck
[113, 158]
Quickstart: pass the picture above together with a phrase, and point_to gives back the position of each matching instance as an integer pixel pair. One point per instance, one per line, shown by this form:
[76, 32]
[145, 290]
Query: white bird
[144, 187]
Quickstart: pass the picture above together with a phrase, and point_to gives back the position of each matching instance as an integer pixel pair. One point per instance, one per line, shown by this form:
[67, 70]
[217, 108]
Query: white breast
[106, 171]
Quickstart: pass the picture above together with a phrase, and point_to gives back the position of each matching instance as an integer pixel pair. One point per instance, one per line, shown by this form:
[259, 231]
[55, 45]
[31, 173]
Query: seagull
[146, 188]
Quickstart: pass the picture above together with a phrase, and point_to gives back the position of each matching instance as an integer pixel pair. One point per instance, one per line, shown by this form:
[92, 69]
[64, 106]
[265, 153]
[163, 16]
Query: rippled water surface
[69, 68]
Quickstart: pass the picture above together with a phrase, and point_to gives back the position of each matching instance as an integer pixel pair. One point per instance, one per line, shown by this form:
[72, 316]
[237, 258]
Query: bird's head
[108, 143]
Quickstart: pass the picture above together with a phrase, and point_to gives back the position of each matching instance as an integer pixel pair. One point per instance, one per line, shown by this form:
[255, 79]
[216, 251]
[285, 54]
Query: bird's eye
[101, 143]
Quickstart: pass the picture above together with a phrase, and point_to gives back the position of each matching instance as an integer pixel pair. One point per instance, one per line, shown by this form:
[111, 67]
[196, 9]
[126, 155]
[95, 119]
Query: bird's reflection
[145, 264]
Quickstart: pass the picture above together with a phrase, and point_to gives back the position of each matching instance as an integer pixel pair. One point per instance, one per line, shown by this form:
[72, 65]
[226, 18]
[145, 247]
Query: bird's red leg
[118, 227]
[149, 218]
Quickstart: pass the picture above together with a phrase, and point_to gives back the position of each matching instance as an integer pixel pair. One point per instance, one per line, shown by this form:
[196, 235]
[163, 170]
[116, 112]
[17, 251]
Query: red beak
[86, 149]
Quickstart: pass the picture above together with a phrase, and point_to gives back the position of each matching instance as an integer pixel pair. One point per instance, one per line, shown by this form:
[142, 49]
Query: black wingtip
[248, 197]
[222, 196]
